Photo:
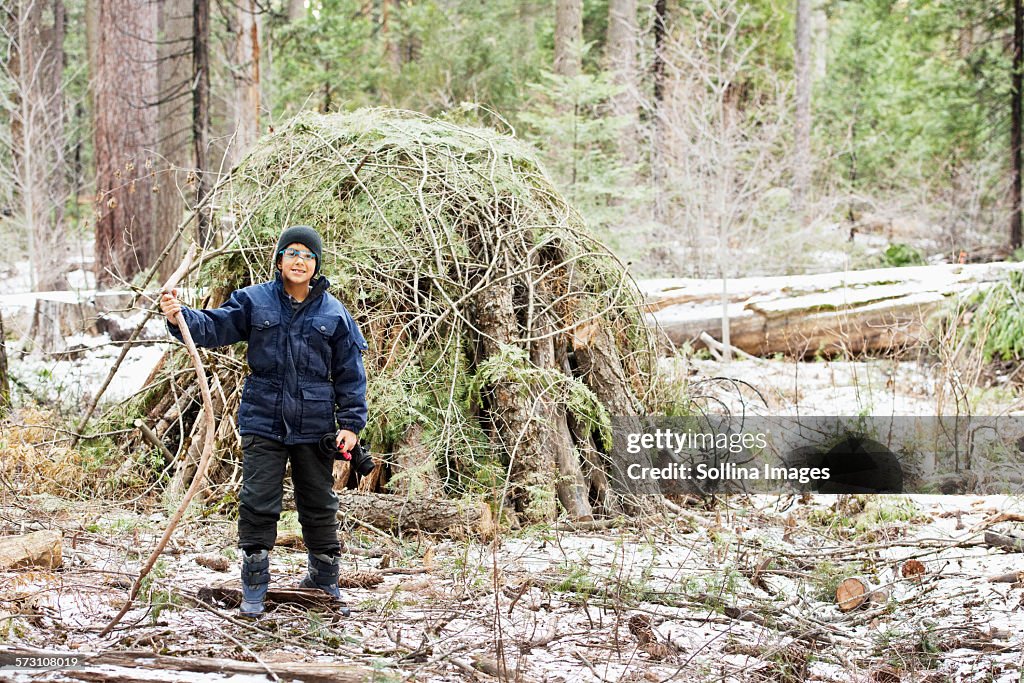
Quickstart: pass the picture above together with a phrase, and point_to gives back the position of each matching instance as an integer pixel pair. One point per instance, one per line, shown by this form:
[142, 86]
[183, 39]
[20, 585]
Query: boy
[307, 380]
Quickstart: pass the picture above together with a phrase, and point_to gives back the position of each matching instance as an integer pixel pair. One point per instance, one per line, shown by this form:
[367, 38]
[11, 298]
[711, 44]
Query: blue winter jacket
[307, 377]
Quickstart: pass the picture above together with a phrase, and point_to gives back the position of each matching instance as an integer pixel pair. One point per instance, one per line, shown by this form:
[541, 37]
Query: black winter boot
[255, 579]
[323, 574]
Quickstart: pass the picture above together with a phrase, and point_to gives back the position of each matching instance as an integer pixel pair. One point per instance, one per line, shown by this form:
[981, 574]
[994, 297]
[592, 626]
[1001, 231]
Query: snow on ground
[73, 383]
[877, 386]
[743, 592]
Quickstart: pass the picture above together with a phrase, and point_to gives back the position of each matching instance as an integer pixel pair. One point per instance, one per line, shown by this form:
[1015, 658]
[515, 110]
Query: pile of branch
[502, 335]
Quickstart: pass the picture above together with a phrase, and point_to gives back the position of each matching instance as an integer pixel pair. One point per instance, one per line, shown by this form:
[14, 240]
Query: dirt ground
[742, 591]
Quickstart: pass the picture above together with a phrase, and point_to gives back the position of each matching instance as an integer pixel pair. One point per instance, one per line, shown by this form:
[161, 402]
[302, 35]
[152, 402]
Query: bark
[398, 513]
[568, 36]
[819, 40]
[802, 134]
[124, 87]
[45, 334]
[37, 549]
[660, 138]
[392, 42]
[245, 71]
[511, 409]
[201, 115]
[1016, 93]
[306, 598]
[412, 459]
[555, 436]
[599, 366]
[621, 52]
[175, 122]
[296, 10]
[38, 136]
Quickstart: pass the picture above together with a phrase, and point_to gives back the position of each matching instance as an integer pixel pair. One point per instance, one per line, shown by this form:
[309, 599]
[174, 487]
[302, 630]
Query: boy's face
[295, 269]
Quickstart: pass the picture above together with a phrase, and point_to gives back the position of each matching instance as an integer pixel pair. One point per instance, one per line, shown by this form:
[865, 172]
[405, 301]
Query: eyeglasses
[298, 253]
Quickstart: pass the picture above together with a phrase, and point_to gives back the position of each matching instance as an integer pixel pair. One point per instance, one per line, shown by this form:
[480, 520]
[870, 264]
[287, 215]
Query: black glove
[360, 459]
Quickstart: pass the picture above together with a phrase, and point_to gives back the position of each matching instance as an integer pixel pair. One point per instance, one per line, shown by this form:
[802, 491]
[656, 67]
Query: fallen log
[1010, 577]
[145, 665]
[37, 549]
[1013, 544]
[852, 312]
[433, 515]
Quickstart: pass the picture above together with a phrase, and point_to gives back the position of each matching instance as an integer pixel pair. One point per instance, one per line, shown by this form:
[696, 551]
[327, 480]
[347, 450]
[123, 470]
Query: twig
[715, 345]
[153, 439]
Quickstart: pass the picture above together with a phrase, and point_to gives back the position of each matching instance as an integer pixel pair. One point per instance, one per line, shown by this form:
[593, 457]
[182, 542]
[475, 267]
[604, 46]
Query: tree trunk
[554, 434]
[660, 137]
[621, 53]
[175, 120]
[245, 105]
[201, 115]
[38, 137]
[5, 383]
[45, 334]
[296, 10]
[819, 41]
[511, 408]
[568, 36]
[1016, 92]
[600, 368]
[433, 515]
[392, 42]
[124, 86]
[416, 471]
[802, 133]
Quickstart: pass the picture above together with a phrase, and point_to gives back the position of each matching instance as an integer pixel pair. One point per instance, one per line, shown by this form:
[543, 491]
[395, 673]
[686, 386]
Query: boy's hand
[170, 305]
[346, 440]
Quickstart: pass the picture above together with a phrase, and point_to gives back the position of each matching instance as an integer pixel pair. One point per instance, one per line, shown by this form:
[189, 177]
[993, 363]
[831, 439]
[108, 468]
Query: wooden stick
[204, 460]
[715, 345]
[153, 439]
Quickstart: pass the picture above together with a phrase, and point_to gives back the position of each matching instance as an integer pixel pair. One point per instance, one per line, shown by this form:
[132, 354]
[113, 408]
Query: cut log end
[852, 593]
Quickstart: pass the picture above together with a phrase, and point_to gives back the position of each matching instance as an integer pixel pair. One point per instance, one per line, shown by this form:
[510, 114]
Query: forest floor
[742, 591]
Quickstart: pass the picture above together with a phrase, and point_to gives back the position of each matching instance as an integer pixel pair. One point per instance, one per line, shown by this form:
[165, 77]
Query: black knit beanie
[303, 234]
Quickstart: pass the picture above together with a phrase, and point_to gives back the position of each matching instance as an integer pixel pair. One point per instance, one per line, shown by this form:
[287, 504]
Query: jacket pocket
[317, 409]
[259, 405]
[264, 340]
[319, 350]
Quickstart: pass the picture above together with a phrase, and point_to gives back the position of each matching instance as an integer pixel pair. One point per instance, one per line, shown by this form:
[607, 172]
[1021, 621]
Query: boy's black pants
[263, 469]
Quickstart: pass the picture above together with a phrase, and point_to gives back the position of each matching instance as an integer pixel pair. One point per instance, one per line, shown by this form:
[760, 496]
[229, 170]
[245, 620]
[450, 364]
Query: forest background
[697, 137]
